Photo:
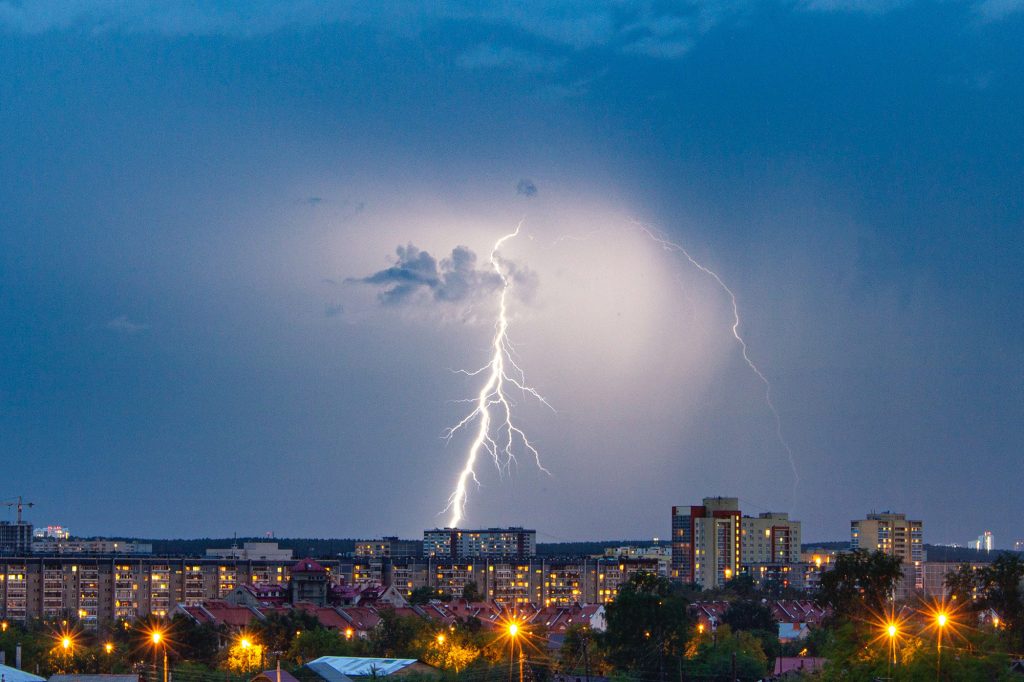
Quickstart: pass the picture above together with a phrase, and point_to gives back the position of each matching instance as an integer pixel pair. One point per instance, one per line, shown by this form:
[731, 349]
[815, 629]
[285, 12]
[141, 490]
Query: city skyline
[245, 253]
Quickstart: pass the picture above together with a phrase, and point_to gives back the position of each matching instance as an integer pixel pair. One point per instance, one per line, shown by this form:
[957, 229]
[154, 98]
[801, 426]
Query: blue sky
[189, 190]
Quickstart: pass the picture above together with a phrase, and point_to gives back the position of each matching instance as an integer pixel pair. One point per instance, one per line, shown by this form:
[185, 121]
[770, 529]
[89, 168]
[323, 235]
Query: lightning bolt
[676, 248]
[496, 432]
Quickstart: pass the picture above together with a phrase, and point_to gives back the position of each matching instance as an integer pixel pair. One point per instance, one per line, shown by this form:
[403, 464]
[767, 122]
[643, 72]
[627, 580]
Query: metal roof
[10, 674]
[338, 668]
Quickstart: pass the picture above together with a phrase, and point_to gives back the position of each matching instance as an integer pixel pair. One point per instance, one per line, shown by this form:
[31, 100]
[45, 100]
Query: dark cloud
[333, 310]
[451, 280]
[526, 188]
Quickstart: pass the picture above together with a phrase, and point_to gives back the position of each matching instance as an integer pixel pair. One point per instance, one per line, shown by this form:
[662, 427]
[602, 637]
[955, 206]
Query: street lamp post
[513, 633]
[157, 638]
[891, 630]
[940, 621]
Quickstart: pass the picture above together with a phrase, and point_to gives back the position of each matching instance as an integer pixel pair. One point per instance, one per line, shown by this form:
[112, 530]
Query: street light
[892, 630]
[941, 619]
[513, 635]
[157, 639]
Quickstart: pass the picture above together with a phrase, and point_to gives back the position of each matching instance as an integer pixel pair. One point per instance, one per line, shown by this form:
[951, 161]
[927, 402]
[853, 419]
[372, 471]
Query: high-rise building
[984, 543]
[770, 538]
[706, 542]
[896, 536]
[15, 538]
[486, 542]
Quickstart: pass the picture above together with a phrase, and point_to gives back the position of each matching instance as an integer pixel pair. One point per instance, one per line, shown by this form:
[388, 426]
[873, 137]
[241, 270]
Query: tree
[742, 586]
[422, 595]
[750, 615]
[195, 642]
[999, 584]
[399, 636]
[712, 658]
[962, 584]
[278, 630]
[582, 652]
[860, 582]
[471, 592]
[311, 644]
[647, 626]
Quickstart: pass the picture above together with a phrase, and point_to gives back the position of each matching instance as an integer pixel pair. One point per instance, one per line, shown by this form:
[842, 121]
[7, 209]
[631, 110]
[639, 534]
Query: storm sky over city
[244, 247]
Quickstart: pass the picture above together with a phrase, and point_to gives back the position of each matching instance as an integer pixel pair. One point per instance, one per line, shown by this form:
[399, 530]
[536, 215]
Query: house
[94, 678]
[9, 674]
[276, 675]
[349, 668]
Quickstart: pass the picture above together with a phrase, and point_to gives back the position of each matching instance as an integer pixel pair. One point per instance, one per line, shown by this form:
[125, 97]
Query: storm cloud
[450, 280]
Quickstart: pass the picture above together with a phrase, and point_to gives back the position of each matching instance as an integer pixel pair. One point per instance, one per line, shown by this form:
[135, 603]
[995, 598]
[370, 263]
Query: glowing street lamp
[157, 639]
[109, 647]
[891, 630]
[941, 620]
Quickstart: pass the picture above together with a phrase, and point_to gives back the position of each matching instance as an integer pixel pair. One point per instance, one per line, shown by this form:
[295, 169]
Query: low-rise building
[55, 545]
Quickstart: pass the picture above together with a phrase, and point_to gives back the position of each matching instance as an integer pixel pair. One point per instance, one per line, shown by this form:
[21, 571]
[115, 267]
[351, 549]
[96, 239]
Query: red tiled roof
[308, 566]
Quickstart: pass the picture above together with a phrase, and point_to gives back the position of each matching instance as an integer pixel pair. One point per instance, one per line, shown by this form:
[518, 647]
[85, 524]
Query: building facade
[15, 538]
[897, 536]
[388, 547]
[706, 542]
[93, 589]
[507, 581]
[486, 542]
[52, 545]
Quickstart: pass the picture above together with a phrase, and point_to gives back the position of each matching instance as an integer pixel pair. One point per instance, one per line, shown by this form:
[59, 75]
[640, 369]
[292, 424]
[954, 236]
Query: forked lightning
[672, 246]
[496, 433]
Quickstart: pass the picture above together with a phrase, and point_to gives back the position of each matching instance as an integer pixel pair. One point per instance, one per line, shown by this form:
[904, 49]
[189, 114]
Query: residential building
[93, 589]
[51, 545]
[310, 582]
[486, 542]
[660, 553]
[770, 549]
[15, 538]
[706, 542]
[388, 547]
[896, 536]
[935, 573]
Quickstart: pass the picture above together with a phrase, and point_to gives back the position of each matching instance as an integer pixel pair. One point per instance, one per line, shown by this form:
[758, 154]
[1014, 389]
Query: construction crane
[19, 503]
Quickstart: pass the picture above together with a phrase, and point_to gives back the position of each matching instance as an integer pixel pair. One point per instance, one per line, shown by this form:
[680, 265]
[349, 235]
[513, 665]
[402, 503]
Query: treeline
[333, 547]
[302, 547]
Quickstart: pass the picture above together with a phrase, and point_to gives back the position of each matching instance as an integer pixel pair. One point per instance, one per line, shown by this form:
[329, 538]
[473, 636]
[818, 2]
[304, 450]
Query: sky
[245, 251]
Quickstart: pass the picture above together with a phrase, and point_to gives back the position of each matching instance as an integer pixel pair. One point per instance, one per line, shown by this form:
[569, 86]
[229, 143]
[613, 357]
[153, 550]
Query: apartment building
[486, 542]
[91, 590]
[896, 536]
[706, 542]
